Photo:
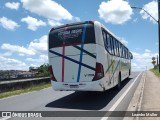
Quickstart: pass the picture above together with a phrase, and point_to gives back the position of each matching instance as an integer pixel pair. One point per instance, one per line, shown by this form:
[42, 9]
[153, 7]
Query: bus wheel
[119, 81]
[129, 73]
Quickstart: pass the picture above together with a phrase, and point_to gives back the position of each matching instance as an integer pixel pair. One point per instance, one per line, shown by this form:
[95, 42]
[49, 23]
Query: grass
[155, 71]
[25, 90]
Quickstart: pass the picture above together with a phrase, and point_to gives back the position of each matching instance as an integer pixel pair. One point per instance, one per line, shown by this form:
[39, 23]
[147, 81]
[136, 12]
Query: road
[49, 100]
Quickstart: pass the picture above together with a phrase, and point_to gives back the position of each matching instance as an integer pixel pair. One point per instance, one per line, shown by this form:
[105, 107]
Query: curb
[136, 101]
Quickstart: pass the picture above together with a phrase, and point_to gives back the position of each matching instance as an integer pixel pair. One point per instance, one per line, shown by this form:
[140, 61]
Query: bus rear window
[71, 35]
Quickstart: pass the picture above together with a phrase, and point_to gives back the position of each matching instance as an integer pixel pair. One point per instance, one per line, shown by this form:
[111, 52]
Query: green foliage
[22, 90]
[155, 71]
[43, 70]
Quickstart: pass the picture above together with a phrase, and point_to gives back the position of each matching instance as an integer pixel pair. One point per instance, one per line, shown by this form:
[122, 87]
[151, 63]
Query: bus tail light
[51, 29]
[51, 73]
[99, 73]
[91, 22]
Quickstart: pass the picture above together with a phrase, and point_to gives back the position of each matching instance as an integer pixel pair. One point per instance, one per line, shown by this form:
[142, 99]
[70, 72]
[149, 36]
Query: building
[33, 69]
[25, 74]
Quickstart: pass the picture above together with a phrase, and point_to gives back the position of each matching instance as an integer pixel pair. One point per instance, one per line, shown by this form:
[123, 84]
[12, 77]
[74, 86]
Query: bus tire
[129, 73]
[119, 82]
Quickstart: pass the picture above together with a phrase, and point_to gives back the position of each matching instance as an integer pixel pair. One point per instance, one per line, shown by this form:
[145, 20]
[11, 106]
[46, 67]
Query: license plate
[74, 86]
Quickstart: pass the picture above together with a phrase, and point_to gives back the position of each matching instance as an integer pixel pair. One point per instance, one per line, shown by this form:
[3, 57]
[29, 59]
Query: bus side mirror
[131, 56]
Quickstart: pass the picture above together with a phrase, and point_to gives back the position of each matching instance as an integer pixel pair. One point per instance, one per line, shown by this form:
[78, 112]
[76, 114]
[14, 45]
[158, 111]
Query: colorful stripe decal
[88, 53]
[109, 66]
[63, 53]
[70, 59]
[81, 54]
[115, 70]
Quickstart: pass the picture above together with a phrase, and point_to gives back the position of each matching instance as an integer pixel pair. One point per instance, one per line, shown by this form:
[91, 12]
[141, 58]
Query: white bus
[86, 56]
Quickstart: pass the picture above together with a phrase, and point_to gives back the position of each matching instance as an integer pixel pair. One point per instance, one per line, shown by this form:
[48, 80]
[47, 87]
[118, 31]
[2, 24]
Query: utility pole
[157, 61]
[158, 21]
[159, 31]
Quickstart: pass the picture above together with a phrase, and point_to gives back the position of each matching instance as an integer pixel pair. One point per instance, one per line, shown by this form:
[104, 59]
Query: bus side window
[118, 48]
[125, 53]
[115, 46]
[104, 36]
[130, 55]
[106, 41]
[109, 44]
[117, 52]
[122, 51]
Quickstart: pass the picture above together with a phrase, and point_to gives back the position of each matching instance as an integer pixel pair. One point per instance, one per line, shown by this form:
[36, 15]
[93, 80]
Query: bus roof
[90, 22]
[72, 24]
[112, 34]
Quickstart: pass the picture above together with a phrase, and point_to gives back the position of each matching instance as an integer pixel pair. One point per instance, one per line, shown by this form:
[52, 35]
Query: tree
[43, 70]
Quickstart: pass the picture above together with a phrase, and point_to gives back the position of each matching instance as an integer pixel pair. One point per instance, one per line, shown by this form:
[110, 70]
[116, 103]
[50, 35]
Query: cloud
[12, 64]
[151, 8]
[135, 20]
[48, 9]
[36, 62]
[33, 23]
[8, 24]
[147, 51]
[6, 54]
[134, 65]
[54, 23]
[115, 11]
[13, 5]
[17, 49]
[137, 48]
[39, 45]
[42, 59]
[33, 65]
[125, 42]
[77, 19]
[142, 61]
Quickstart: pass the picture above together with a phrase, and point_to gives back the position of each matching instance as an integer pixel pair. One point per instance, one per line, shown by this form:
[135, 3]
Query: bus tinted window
[108, 43]
[125, 52]
[117, 48]
[122, 51]
[114, 47]
[71, 35]
[111, 44]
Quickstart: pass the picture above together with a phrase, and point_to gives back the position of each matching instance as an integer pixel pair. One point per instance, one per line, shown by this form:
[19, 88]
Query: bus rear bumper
[78, 86]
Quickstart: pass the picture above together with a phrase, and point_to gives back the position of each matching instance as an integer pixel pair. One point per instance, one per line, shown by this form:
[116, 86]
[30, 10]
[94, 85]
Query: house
[25, 74]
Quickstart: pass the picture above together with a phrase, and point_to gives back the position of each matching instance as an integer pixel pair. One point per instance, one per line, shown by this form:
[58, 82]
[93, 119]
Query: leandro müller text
[143, 114]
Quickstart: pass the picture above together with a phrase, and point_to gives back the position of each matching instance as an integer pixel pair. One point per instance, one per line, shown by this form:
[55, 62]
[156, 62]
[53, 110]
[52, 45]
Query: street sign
[153, 62]
[153, 58]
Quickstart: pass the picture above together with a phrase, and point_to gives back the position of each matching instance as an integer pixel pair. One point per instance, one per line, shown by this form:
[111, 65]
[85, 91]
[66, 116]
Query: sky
[24, 27]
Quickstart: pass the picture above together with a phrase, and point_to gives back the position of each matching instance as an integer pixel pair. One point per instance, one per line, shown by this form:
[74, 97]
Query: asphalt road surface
[50, 100]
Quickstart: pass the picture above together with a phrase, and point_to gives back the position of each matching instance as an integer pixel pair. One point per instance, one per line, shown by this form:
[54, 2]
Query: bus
[86, 56]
